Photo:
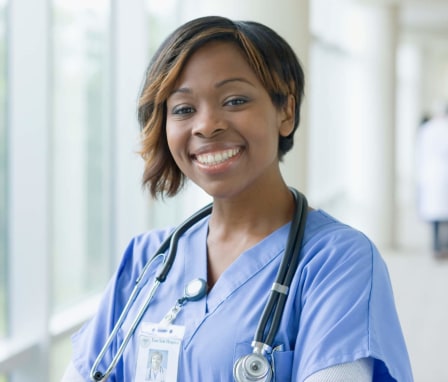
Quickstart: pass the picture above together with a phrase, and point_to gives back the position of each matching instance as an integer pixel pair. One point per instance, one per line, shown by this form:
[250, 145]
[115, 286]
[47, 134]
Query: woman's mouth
[217, 157]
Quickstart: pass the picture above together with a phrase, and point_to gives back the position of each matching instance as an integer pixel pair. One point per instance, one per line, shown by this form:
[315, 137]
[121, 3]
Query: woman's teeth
[217, 157]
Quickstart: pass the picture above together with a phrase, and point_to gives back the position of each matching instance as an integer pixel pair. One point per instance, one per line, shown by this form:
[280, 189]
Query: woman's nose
[208, 123]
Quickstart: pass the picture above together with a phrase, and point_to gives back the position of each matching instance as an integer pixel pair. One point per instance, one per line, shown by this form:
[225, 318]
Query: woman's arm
[357, 371]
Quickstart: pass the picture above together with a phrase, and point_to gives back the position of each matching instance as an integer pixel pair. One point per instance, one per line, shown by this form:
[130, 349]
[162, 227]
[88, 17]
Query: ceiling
[428, 17]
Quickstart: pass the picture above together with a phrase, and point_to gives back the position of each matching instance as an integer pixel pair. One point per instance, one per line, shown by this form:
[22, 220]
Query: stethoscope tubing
[277, 299]
[95, 375]
[171, 242]
[274, 307]
[174, 240]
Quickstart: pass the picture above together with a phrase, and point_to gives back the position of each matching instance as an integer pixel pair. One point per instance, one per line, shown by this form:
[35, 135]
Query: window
[160, 21]
[85, 206]
[81, 142]
[3, 172]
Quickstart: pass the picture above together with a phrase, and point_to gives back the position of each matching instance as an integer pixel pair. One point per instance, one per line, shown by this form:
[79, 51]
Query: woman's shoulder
[145, 245]
[322, 226]
[151, 238]
[140, 249]
[329, 240]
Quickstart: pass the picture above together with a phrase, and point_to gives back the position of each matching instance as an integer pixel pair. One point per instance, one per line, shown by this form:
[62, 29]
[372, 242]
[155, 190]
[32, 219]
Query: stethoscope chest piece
[252, 367]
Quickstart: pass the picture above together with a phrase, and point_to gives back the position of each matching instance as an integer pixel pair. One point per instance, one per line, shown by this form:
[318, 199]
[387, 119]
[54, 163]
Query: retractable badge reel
[193, 291]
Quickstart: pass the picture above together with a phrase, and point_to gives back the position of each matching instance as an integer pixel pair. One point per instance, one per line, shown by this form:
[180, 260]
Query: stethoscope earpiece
[252, 367]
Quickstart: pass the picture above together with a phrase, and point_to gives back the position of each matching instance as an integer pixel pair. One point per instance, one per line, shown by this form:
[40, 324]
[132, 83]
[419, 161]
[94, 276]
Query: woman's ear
[288, 113]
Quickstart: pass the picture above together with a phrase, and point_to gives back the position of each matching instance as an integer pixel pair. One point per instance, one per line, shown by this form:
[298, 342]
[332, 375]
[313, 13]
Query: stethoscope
[252, 367]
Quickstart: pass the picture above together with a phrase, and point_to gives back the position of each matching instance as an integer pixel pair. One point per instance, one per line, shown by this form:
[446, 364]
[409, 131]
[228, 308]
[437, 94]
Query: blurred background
[70, 191]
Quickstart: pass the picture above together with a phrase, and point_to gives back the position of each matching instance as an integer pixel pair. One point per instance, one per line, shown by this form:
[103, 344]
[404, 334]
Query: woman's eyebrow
[187, 90]
[184, 90]
[235, 79]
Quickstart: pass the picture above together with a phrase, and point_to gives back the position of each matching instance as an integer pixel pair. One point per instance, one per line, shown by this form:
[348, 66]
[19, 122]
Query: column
[130, 56]
[372, 125]
[28, 137]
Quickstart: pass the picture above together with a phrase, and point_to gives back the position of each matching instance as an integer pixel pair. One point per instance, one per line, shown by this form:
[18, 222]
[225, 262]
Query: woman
[220, 106]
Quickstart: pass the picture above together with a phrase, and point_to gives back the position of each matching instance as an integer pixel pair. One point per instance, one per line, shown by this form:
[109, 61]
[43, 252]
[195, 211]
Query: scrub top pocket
[281, 361]
[282, 365]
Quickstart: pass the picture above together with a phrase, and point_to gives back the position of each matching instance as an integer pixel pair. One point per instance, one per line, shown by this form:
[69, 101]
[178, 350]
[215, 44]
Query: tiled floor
[421, 289]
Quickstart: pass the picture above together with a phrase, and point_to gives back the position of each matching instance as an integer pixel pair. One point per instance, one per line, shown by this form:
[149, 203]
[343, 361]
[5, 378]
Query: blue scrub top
[340, 306]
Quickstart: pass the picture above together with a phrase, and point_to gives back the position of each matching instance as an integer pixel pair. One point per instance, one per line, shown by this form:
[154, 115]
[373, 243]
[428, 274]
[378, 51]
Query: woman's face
[222, 127]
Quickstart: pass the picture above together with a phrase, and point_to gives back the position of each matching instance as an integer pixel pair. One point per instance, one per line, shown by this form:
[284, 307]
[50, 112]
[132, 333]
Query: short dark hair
[268, 54]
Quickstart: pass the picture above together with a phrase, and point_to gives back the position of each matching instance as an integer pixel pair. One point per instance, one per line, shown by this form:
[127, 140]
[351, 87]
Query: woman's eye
[236, 101]
[180, 110]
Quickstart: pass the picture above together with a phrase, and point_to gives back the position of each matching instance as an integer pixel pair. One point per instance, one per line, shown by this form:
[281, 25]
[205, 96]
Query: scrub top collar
[246, 266]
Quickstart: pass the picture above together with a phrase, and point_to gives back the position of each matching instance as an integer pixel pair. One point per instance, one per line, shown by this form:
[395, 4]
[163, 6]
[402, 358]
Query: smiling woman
[219, 106]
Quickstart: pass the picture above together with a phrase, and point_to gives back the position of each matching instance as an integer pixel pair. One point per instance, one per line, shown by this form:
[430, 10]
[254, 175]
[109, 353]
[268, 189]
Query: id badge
[158, 352]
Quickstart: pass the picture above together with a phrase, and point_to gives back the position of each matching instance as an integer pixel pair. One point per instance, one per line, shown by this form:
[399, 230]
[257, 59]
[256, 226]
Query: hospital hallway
[420, 284]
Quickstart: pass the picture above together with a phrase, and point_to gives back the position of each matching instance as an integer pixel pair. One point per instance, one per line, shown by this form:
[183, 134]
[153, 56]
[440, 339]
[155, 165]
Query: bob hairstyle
[270, 57]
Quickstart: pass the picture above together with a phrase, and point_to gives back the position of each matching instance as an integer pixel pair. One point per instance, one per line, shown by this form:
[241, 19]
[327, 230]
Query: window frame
[25, 354]
[4, 217]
